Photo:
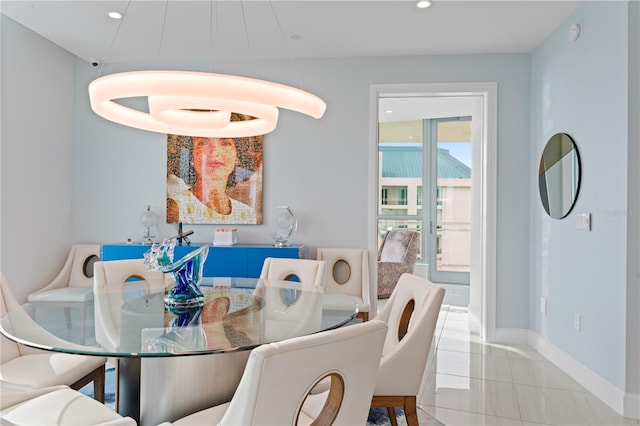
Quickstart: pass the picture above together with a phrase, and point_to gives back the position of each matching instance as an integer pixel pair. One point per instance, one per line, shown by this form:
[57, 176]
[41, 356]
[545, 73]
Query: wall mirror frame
[559, 175]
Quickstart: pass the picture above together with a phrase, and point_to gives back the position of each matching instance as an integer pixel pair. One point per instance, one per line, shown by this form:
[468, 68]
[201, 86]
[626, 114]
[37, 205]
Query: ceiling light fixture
[423, 4]
[115, 15]
[198, 103]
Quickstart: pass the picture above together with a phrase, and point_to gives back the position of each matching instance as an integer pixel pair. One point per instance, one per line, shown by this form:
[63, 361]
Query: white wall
[312, 165]
[633, 203]
[580, 88]
[319, 167]
[36, 157]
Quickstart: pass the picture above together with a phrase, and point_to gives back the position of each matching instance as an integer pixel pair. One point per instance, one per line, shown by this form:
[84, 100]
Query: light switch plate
[583, 221]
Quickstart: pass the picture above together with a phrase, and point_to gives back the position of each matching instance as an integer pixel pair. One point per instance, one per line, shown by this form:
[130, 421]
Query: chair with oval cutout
[277, 383]
[347, 273]
[34, 368]
[305, 271]
[411, 314]
[113, 281]
[73, 286]
[289, 312]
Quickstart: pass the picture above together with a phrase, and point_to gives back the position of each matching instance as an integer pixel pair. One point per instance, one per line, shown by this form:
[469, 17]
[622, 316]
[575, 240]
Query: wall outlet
[543, 305]
[577, 321]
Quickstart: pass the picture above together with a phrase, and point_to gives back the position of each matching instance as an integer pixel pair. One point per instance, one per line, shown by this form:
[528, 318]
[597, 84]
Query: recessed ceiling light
[388, 111]
[423, 4]
[115, 15]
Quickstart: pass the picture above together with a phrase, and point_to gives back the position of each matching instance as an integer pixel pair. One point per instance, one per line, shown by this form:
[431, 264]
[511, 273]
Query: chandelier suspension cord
[164, 23]
[286, 45]
[214, 39]
[246, 35]
[107, 56]
[211, 33]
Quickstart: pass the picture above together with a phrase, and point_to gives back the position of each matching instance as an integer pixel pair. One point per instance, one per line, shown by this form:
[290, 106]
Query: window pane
[400, 177]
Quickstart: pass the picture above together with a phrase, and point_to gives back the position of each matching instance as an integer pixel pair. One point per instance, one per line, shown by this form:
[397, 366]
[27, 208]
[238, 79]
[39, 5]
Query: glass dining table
[172, 362]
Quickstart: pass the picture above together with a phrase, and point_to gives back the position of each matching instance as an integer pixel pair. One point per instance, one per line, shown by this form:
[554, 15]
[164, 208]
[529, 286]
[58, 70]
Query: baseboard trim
[625, 404]
[593, 382]
[518, 336]
[632, 405]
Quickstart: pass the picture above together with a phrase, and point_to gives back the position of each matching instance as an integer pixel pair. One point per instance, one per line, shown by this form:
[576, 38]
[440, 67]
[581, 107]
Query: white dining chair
[111, 279]
[72, 287]
[36, 368]
[411, 314]
[308, 272]
[277, 384]
[54, 406]
[347, 273]
[289, 312]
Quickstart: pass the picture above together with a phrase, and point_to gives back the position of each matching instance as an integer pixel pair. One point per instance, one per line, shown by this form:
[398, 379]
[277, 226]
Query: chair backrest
[279, 376]
[347, 271]
[288, 312]
[18, 321]
[399, 245]
[411, 314]
[14, 393]
[111, 278]
[310, 273]
[10, 349]
[78, 269]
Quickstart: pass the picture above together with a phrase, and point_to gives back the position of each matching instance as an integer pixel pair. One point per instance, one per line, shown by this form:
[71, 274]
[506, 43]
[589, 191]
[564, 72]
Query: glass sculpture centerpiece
[287, 226]
[187, 273]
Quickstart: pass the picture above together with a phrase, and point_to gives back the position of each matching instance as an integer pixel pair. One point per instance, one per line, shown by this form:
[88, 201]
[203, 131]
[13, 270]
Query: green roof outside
[406, 161]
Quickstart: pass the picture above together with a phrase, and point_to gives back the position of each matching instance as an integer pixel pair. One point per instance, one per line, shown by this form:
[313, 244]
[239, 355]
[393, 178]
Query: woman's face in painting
[214, 157]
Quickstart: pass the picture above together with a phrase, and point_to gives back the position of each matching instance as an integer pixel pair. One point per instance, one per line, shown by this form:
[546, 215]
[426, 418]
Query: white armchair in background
[397, 255]
[37, 368]
[277, 384]
[411, 314]
[73, 286]
[348, 273]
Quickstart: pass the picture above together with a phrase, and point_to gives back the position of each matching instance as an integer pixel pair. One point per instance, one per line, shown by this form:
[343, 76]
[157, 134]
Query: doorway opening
[431, 129]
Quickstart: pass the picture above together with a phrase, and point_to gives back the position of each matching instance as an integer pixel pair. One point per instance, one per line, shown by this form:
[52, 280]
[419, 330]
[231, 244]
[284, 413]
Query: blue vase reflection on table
[184, 333]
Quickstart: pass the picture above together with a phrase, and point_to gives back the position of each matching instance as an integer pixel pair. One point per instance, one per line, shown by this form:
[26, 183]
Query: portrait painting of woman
[214, 180]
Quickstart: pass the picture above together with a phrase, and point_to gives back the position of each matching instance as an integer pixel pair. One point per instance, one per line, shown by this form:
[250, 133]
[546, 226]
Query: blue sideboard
[240, 260]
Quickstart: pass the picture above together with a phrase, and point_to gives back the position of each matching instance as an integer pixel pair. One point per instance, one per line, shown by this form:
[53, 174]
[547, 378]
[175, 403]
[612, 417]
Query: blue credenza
[240, 260]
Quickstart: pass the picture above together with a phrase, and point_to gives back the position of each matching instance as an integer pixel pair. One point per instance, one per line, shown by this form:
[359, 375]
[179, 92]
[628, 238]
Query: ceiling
[208, 30]
[180, 30]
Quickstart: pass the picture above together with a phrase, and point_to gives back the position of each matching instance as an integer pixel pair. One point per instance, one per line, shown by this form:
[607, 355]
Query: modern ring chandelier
[198, 103]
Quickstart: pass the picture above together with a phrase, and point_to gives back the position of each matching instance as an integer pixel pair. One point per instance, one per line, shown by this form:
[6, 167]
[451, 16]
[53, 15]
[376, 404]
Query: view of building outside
[401, 194]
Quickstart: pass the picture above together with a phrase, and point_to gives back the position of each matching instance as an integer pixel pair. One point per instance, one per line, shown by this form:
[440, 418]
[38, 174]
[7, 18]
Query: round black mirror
[559, 175]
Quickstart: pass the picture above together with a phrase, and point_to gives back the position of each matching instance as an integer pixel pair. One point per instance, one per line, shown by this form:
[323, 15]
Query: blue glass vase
[187, 274]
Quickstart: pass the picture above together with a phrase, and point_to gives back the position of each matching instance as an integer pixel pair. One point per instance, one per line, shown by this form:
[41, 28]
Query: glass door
[448, 159]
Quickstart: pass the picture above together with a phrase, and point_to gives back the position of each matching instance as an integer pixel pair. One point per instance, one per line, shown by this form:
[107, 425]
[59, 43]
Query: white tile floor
[468, 382]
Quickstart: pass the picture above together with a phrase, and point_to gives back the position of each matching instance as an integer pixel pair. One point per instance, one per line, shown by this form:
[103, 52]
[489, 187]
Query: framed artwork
[214, 180]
